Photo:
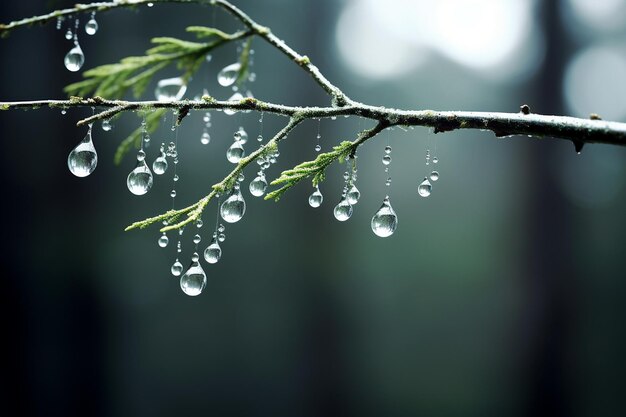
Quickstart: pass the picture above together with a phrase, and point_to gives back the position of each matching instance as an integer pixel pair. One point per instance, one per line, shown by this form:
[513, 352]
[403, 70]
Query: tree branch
[501, 124]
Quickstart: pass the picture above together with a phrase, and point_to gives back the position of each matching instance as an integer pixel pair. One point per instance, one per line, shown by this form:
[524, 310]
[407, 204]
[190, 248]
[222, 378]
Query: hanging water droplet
[159, 166]
[194, 280]
[176, 178]
[353, 195]
[221, 237]
[235, 152]
[170, 89]
[83, 159]
[318, 148]
[240, 178]
[140, 179]
[163, 240]
[258, 186]
[69, 35]
[315, 199]
[177, 268]
[221, 228]
[385, 221]
[241, 135]
[197, 238]
[387, 159]
[107, 125]
[63, 112]
[173, 193]
[435, 160]
[343, 210]
[74, 59]
[424, 188]
[199, 223]
[387, 149]
[259, 138]
[388, 182]
[213, 252]
[434, 176]
[228, 75]
[235, 97]
[234, 207]
[91, 27]
[205, 138]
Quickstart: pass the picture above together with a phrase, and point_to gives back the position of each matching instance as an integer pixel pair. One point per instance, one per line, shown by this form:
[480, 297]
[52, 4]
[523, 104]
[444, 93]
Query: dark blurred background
[501, 294]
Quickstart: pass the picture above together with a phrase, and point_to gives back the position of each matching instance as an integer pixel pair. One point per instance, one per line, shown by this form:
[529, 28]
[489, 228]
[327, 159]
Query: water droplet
[107, 125]
[197, 238]
[213, 252]
[141, 155]
[235, 97]
[221, 237]
[386, 159]
[173, 193]
[194, 280]
[385, 221]
[176, 178]
[74, 59]
[235, 152]
[140, 179]
[63, 112]
[434, 176]
[387, 149]
[69, 35]
[199, 223]
[318, 148]
[315, 199]
[205, 138]
[150, 4]
[163, 240]
[424, 188]
[259, 138]
[240, 178]
[91, 27]
[435, 160]
[343, 210]
[170, 89]
[221, 228]
[228, 75]
[388, 182]
[159, 166]
[177, 268]
[241, 135]
[353, 195]
[258, 186]
[234, 207]
[83, 159]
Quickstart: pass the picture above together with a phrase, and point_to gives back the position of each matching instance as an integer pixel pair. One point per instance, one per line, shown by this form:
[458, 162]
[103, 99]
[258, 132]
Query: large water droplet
[235, 152]
[385, 221]
[235, 97]
[234, 207]
[213, 252]
[424, 188]
[353, 195]
[91, 27]
[159, 166]
[140, 179]
[170, 89]
[163, 240]
[194, 280]
[315, 199]
[343, 210]
[107, 125]
[83, 159]
[434, 176]
[258, 186]
[386, 159]
[74, 59]
[177, 268]
[228, 75]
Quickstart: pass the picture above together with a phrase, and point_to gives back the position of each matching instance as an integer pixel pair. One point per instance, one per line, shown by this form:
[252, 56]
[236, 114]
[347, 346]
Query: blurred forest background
[501, 294]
